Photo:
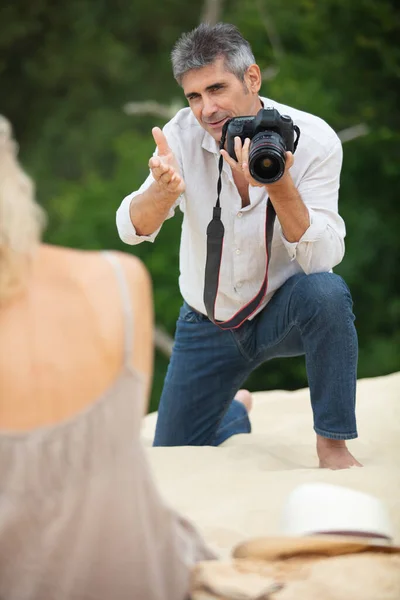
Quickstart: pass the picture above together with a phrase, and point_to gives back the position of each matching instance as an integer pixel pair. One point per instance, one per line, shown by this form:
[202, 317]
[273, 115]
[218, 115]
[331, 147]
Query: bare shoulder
[137, 277]
[89, 274]
[91, 264]
[134, 268]
[89, 270]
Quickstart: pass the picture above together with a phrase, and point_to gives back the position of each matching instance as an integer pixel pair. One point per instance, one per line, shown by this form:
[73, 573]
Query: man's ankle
[324, 442]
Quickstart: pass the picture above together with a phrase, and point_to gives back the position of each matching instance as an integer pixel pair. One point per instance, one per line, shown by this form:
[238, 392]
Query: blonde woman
[79, 514]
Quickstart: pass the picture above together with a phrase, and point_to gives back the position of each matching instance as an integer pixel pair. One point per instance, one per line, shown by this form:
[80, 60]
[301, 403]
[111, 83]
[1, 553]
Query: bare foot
[245, 397]
[333, 454]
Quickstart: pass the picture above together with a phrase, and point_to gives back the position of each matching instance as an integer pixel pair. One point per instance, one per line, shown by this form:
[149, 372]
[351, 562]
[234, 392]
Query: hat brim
[275, 548]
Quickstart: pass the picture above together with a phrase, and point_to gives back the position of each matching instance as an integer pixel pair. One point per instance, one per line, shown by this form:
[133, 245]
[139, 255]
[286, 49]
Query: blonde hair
[22, 220]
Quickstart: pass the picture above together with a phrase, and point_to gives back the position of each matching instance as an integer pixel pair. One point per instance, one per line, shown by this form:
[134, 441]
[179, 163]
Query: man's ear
[252, 78]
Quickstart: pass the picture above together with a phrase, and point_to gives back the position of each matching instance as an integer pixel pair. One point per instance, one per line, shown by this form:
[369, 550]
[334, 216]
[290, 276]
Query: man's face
[216, 95]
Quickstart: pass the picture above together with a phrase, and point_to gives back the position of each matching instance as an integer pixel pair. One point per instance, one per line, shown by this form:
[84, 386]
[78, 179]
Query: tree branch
[272, 32]
[151, 107]
[354, 132]
[211, 12]
[163, 341]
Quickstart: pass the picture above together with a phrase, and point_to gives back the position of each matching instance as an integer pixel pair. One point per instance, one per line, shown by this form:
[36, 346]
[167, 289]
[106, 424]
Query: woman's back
[62, 339]
[80, 517]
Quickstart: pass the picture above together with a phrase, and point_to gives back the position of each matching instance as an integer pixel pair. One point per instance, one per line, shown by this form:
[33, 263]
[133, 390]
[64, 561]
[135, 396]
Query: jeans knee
[325, 293]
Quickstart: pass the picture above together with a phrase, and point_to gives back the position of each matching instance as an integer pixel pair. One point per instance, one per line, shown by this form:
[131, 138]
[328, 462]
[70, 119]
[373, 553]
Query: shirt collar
[209, 143]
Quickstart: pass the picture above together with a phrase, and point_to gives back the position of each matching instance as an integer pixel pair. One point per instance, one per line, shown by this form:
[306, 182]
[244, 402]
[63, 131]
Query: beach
[236, 491]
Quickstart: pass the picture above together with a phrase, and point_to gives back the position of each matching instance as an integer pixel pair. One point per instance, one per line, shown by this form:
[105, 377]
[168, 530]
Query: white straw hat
[325, 519]
[315, 508]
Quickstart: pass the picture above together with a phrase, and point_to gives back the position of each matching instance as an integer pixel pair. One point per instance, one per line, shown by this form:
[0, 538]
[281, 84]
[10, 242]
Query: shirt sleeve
[322, 245]
[126, 228]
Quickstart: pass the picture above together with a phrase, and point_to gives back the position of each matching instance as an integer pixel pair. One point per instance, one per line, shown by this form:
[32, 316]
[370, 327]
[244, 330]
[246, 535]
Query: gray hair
[205, 44]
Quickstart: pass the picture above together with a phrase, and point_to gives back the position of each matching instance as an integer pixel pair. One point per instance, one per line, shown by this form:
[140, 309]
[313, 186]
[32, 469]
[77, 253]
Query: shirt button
[240, 214]
[237, 250]
[239, 284]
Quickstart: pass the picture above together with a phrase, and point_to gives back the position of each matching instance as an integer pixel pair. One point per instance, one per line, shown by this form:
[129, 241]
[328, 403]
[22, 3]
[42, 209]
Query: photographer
[270, 283]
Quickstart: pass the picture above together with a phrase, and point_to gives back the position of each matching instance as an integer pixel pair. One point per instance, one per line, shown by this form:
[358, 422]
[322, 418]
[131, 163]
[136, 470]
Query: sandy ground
[237, 491]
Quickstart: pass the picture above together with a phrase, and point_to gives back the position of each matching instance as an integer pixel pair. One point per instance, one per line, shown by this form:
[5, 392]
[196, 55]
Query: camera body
[271, 135]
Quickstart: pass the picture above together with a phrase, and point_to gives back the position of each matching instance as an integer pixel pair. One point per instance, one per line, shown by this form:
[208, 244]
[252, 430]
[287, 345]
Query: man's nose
[209, 107]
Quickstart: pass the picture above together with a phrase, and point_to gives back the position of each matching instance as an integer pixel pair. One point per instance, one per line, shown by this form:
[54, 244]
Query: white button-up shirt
[316, 174]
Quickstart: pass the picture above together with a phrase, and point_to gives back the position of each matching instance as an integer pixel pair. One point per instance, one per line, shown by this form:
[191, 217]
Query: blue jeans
[309, 315]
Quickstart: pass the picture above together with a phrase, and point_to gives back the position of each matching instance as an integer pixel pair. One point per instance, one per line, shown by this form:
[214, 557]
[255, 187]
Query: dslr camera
[271, 135]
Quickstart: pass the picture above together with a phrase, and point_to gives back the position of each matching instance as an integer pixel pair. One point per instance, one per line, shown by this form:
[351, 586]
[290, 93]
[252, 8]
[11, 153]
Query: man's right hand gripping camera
[271, 135]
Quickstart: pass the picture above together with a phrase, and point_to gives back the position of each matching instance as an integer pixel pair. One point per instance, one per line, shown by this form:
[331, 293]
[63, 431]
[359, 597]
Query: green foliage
[66, 70]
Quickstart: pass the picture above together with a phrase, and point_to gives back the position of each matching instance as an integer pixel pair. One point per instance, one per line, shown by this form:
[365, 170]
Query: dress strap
[126, 305]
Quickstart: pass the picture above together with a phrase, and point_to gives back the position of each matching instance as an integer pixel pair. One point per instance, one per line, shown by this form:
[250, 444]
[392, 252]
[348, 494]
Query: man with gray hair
[228, 325]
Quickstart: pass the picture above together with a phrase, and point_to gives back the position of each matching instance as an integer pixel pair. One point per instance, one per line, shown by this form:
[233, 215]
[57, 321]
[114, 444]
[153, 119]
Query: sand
[236, 491]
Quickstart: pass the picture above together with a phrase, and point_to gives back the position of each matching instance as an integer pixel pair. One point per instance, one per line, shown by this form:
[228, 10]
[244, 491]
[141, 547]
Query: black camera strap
[215, 241]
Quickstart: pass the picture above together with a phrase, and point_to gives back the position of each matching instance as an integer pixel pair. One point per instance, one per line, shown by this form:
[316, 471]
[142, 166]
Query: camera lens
[267, 157]
[266, 163]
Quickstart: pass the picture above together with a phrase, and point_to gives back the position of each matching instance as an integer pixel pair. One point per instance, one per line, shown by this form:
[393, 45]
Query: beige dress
[80, 517]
